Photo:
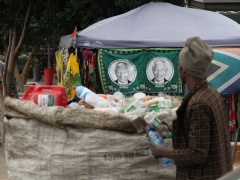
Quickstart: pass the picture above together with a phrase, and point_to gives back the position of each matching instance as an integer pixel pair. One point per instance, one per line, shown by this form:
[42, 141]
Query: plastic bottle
[154, 137]
[137, 103]
[156, 124]
[90, 97]
[114, 104]
[108, 97]
[135, 112]
[73, 105]
[152, 101]
[120, 98]
[112, 110]
[159, 101]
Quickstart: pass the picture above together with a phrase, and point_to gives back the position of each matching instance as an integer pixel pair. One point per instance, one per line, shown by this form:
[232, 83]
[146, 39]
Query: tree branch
[25, 28]
[6, 64]
[29, 63]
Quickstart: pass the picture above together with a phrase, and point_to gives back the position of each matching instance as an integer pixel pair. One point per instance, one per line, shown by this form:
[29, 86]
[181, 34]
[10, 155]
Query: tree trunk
[15, 51]
[22, 78]
[4, 79]
[19, 79]
[49, 56]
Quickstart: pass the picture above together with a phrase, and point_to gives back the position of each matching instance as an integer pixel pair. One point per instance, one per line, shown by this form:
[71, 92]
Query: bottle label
[46, 100]
[82, 94]
[154, 108]
[162, 104]
[155, 123]
[131, 108]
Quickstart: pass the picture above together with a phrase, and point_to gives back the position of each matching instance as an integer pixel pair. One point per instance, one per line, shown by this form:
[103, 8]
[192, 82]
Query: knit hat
[195, 57]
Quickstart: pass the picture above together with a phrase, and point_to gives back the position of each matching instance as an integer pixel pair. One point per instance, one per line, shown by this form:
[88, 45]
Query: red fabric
[74, 33]
[85, 54]
[232, 112]
[85, 65]
[92, 66]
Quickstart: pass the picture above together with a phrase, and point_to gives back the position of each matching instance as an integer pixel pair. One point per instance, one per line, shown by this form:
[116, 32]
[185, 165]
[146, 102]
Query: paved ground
[3, 168]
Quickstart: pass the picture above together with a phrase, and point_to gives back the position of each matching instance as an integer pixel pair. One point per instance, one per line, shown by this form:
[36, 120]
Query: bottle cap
[169, 135]
[170, 107]
[118, 95]
[139, 95]
[149, 129]
[122, 110]
[74, 87]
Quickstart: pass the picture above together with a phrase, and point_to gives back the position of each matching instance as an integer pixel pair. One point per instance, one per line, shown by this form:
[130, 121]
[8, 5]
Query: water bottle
[154, 137]
[90, 97]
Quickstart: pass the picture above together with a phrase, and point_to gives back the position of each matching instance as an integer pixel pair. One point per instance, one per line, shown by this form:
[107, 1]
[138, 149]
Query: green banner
[139, 70]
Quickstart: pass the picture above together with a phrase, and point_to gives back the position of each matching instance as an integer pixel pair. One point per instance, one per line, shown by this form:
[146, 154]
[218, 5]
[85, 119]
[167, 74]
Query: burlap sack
[58, 143]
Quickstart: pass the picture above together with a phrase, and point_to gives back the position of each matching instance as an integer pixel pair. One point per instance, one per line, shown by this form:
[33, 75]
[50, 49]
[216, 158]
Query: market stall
[78, 143]
[157, 30]
[162, 25]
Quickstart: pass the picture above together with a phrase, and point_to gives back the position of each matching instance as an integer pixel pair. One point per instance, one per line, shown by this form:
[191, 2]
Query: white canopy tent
[157, 24]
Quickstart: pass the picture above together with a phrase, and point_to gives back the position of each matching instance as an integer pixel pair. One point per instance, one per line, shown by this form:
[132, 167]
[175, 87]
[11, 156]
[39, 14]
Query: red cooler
[46, 95]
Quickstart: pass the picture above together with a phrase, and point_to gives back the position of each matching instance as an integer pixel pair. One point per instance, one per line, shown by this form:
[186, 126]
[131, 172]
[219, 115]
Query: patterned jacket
[201, 138]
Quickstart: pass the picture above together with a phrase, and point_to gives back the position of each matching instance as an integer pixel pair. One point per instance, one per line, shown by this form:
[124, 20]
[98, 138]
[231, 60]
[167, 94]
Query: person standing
[201, 139]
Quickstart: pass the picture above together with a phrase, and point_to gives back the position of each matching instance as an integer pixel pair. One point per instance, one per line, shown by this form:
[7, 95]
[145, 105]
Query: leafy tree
[31, 23]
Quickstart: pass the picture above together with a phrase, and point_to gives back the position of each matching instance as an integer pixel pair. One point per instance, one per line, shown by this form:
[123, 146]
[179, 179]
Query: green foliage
[52, 19]
[23, 58]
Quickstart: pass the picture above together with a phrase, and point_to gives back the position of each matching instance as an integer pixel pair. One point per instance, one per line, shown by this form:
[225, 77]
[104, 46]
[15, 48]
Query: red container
[48, 76]
[46, 95]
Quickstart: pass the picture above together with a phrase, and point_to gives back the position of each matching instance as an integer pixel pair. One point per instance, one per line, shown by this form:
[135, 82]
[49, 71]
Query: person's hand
[158, 151]
[170, 130]
[146, 134]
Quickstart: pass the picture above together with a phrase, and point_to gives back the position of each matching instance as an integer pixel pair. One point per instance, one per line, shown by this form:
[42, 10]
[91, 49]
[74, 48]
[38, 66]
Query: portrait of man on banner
[160, 70]
[122, 72]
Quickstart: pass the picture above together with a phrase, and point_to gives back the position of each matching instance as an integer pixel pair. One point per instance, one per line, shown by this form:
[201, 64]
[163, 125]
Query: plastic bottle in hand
[90, 97]
[155, 123]
[154, 137]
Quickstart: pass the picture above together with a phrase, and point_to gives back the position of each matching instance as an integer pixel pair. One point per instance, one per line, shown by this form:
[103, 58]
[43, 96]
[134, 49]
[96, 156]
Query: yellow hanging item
[72, 76]
[59, 68]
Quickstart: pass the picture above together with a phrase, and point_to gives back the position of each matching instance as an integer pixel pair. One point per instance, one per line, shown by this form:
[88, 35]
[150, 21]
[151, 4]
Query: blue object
[154, 137]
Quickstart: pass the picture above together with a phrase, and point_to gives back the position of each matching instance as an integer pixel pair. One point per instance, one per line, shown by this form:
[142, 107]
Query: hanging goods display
[72, 76]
